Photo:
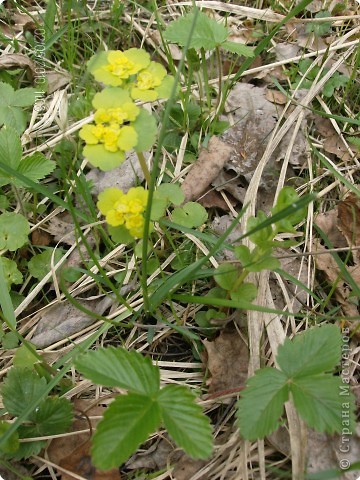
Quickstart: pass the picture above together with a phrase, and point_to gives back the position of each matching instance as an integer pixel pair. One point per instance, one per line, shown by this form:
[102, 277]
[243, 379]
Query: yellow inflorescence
[125, 209]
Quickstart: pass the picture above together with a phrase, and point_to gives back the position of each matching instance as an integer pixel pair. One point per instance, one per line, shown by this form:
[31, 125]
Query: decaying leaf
[187, 467]
[158, 456]
[227, 359]
[56, 81]
[17, 60]
[210, 162]
[73, 452]
[349, 222]
[62, 320]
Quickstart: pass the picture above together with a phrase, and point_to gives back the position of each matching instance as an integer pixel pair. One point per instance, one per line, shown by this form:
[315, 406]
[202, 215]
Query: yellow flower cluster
[132, 70]
[125, 209]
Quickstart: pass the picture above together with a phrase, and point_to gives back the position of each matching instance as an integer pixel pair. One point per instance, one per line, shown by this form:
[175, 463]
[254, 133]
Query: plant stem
[144, 167]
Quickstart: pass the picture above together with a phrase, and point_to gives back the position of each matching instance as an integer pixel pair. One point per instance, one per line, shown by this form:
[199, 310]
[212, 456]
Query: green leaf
[10, 152]
[21, 388]
[208, 33]
[319, 28]
[27, 449]
[51, 417]
[238, 48]
[12, 443]
[14, 231]
[226, 275]
[313, 351]
[35, 167]
[146, 128]
[158, 207]
[262, 403]
[287, 197]
[127, 423]
[10, 340]
[10, 101]
[120, 234]
[171, 192]
[252, 262]
[183, 418]
[117, 367]
[24, 97]
[243, 254]
[263, 235]
[24, 357]
[40, 265]
[246, 292]
[319, 401]
[11, 273]
[191, 215]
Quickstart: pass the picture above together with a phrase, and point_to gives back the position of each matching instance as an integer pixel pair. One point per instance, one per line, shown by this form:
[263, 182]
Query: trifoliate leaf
[117, 367]
[12, 443]
[208, 33]
[226, 275]
[312, 352]
[171, 192]
[319, 401]
[10, 101]
[20, 388]
[183, 418]
[35, 167]
[246, 292]
[14, 231]
[127, 423]
[238, 48]
[191, 215]
[146, 128]
[11, 273]
[10, 152]
[40, 265]
[262, 403]
[51, 417]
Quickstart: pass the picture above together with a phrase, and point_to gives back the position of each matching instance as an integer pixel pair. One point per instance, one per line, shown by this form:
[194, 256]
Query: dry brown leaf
[349, 222]
[187, 467]
[213, 199]
[275, 96]
[328, 223]
[62, 320]
[157, 457]
[227, 359]
[206, 168]
[61, 228]
[73, 452]
[56, 81]
[40, 237]
[334, 145]
[16, 60]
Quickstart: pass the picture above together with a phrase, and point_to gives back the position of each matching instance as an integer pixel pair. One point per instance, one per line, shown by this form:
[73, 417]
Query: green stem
[144, 167]
[241, 279]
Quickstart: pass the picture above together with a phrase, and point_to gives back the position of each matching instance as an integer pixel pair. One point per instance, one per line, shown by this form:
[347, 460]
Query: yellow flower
[124, 209]
[147, 81]
[113, 67]
[126, 113]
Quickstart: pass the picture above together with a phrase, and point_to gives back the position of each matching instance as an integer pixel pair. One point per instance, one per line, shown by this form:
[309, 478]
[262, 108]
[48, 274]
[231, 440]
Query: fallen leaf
[157, 457]
[227, 359]
[16, 60]
[349, 222]
[62, 320]
[334, 145]
[61, 228]
[328, 223]
[206, 168]
[40, 238]
[213, 199]
[56, 81]
[275, 96]
[73, 452]
[187, 467]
